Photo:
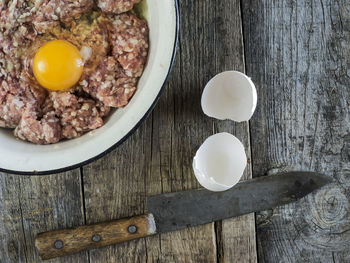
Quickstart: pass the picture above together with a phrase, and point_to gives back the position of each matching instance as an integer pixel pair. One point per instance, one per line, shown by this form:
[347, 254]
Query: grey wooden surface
[297, 53]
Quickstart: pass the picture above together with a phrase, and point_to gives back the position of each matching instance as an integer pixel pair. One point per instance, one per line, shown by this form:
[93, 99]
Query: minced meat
[114, 45]
[116, 6]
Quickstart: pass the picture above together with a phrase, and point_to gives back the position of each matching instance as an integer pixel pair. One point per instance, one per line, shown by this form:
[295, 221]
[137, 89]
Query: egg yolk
[58, 65]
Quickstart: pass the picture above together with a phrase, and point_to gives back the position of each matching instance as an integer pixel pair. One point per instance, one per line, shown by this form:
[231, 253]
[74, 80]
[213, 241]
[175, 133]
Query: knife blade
[174, 211]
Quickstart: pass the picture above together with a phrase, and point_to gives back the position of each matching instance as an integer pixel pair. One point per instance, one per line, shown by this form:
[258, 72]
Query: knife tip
[313, 180]
[324, 179]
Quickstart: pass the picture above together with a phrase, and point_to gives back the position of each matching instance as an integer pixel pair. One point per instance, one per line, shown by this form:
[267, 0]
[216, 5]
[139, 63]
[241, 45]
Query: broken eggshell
[230, 95]
[220, 162]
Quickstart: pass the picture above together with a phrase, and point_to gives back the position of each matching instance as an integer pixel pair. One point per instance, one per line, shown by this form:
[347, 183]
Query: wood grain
[237, 235]
[12, 244]
[298, 53]
[115, 188]
[64, 242]
[35, 204]
[49, 203]
[158, 158]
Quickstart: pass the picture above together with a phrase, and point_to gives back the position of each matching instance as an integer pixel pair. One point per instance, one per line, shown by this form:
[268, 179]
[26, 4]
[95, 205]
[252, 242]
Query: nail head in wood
[58, 244]
[96, 238]
[132, 229]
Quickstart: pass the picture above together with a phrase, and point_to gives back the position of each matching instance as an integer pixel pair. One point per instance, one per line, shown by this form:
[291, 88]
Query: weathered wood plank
[12, 248]
[162, 150]
[115, 188]
[216, 29]
[31, 205]
[179, 127]
[298, 54]
[49, 203]
[237, 234]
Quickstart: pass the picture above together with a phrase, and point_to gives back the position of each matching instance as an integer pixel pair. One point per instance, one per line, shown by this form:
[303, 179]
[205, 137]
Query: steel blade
[179, 210]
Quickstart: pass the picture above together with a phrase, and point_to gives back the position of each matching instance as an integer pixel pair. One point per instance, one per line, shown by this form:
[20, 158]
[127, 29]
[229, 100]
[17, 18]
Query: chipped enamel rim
[19, 157]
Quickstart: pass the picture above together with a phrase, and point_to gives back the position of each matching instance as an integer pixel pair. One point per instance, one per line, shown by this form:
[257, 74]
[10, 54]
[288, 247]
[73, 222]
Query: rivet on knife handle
[69, 241]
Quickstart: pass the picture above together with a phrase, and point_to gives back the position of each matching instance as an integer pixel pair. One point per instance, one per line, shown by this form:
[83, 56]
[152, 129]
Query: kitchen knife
[174, 211]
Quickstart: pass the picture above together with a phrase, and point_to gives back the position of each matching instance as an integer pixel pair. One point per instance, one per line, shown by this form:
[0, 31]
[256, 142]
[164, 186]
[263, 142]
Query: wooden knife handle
[59, 243]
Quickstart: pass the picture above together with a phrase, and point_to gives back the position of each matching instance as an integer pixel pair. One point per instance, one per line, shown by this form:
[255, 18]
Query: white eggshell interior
[20, 156]
[230, 95]
[220, 162]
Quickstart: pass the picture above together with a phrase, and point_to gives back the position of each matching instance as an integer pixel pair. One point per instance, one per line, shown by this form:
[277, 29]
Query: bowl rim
[137, 125]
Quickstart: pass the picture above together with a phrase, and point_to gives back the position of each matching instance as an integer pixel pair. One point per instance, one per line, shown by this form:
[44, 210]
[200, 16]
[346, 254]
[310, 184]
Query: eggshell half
[230, 95]
[220, 162]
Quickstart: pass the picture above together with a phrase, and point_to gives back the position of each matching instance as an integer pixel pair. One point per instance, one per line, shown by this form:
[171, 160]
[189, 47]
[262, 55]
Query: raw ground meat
[64, 116]
[12, 46]
[116, 6]
[77, 115]
[129, 40]
[52, 12]
[94, 37]
[115, 79]
[16, 94]
[11, 110]
[108, 84]
[44, 14]
[44, 131]
[114, 48]
[15, 12]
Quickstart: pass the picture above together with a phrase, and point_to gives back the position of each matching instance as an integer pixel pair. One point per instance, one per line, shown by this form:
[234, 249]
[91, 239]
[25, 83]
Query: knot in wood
[326, 219]
[331, 207]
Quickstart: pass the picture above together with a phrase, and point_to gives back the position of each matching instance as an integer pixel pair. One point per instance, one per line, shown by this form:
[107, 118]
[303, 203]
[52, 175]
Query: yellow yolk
[58, 65]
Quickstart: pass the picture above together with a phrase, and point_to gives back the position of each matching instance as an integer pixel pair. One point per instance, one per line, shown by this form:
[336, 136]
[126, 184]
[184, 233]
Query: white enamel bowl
[20, 157]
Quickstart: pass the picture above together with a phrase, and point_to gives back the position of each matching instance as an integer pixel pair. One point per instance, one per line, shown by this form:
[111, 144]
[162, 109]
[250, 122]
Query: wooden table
[297, 53]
